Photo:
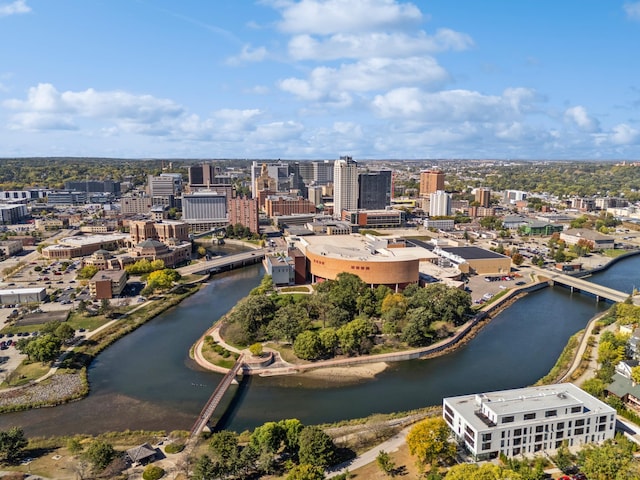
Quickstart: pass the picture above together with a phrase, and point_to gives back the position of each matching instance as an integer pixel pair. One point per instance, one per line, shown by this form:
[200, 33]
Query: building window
[516, 451]
[576, 409]
[551, 413]
[486, 446]
[508, 419]
[602, 427]
[560, 426]
[529, 416]
[559, 434]
[539, 428]
[538, 438]
[516, 441]
[578, 431]
[580, 422]
[486, 437]
[517, 432]
[602, 419]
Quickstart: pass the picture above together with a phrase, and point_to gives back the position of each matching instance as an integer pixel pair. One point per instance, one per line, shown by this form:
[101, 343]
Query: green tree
[225, 452]
[563, 458]
[87, 272]
[289, 322]
[74, 446]
[268, 437]
[256, 349]
[152, 472]
[12, 443]
[201, 251]
[613, 460]
[329, 340]
[308, 345]
[291, 428]
[487, 471]
[429, 441]
[99, 454]
[384, 462]
[305, 471]
[44, 348]
[315, 447]
[354, 335]
[204, 469]
[594, 386]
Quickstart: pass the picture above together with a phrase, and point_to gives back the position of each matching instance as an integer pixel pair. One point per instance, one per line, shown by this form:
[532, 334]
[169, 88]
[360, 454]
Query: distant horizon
[303, 79]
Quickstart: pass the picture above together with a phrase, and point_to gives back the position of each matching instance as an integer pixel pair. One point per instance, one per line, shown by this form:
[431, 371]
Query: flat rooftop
[472, 253]
[358, 247]
[529, 399]
[78, 241]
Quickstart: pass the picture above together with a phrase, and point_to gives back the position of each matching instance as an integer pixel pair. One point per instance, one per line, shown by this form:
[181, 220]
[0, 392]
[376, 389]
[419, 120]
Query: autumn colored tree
[429, 441]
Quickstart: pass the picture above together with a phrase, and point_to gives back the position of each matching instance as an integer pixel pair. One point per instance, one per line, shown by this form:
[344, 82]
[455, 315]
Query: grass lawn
[613, 253]
[217, 359]
[286, 352]
[78, 321]
[293, 289]
[25, 373]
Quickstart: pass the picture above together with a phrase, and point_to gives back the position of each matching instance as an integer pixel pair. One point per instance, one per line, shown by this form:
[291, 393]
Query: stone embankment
[57, 388]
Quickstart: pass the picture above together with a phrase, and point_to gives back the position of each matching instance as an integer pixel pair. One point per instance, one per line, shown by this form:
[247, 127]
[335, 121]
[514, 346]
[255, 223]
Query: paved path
[391, 445]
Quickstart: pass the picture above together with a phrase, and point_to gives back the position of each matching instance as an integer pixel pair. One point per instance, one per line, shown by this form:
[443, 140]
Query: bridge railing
[216, 397]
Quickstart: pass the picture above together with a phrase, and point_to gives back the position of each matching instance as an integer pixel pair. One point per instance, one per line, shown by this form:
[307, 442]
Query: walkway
[223, 262]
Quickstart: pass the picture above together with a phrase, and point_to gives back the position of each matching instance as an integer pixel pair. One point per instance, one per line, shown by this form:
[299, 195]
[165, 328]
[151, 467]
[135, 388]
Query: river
[147, 381]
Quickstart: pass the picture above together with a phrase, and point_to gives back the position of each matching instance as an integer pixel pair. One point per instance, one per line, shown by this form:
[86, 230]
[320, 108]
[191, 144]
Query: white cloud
[623, 134]
[35, 121]
[376, 44]
[130, 110]
[632, 10]
[248, 55]
[578, 116]
[277, 132]
[326, 17]
[14, 8]
[454, 105]
[365, 76]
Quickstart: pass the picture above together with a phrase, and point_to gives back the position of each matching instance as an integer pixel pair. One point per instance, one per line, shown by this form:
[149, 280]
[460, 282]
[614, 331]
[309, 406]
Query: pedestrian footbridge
[580, 285]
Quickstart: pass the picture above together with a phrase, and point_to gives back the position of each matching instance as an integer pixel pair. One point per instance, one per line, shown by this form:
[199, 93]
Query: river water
[147, 381]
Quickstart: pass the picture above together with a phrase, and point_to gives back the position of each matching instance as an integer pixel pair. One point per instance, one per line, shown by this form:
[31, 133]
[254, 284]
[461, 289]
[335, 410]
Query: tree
[99, 454]
[87, 272]
[256, 349]
[315, 447]
[44, 348]
[613, 460]
[329, 340]
[308, 345]
[563, 458]
[487, 471]
[352, 336]
[384, 462]
[268, 437]
[152, 472]
[289, 322]
[594, 386]
[74, 446]
[291, 428]
[225, 452]
[204, 469]
[429, 441]
[201, 251]
[12, 443]
[305, 471]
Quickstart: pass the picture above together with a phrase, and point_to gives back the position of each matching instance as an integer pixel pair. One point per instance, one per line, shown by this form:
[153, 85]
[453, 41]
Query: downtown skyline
[311, 79]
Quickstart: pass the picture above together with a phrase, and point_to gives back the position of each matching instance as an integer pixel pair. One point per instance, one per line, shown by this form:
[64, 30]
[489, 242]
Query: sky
[319, 79]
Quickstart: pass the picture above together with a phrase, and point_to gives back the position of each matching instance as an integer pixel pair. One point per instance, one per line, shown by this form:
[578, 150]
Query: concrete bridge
[228, 262]
[581, 285]
[216, 397]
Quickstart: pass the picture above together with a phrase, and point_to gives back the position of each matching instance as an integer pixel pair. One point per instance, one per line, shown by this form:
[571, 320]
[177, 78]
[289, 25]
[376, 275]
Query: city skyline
[318, 79]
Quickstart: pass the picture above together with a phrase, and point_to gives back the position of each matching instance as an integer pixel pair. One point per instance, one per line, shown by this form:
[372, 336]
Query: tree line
[345, 316]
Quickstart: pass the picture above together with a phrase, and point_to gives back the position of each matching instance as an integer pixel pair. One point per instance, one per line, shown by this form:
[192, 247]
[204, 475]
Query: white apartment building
[528, 421]
[439, 204]
[345, 186]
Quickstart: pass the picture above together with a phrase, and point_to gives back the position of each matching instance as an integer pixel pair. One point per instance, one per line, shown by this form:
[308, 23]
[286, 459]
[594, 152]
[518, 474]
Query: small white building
[528, 421]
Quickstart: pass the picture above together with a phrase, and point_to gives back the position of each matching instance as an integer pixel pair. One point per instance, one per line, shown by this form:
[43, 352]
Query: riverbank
[66, 380]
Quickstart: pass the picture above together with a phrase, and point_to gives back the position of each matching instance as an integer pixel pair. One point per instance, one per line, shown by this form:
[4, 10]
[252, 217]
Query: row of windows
[532, 415]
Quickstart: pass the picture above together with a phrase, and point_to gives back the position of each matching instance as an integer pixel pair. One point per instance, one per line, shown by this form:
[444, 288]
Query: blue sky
[316, 79]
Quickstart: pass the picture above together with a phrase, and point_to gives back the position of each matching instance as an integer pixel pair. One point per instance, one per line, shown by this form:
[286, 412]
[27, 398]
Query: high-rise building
[323, 172]
[431, 181]
[204, 210]
[201, 176]
[439, 204]
[244, 211]
[483, 197]
[374, 190]
[93, 186]
[345, 185]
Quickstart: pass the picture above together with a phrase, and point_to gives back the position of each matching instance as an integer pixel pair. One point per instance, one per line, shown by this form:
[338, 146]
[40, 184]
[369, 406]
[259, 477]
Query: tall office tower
[374, 190]
[430, 182]
[305, 170]
[345, 185]
[201, 176]
[439, 204]
[323, 172]
[483, 197]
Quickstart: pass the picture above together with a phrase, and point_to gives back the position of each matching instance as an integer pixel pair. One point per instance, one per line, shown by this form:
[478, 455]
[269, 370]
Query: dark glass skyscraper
[374, 190]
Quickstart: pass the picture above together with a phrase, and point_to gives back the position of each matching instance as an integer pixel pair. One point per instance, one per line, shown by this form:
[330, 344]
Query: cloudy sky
[316, 79]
